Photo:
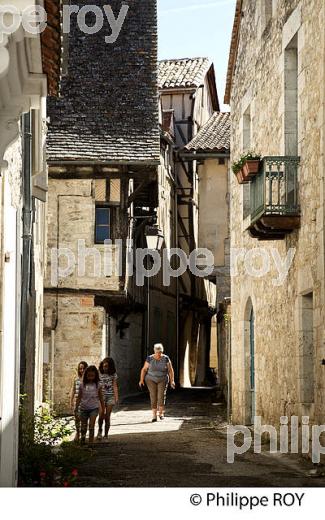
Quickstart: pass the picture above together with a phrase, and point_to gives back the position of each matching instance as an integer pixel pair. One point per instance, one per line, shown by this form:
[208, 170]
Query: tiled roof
[214, 135]
[108, 109]
[182, 73]
[52, 46]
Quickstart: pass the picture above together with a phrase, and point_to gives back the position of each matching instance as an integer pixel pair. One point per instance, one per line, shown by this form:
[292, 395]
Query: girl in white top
[74, 396]
[108, 382]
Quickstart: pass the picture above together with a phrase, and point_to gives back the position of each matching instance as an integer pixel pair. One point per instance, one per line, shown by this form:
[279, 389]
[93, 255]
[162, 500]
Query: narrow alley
[187, 449]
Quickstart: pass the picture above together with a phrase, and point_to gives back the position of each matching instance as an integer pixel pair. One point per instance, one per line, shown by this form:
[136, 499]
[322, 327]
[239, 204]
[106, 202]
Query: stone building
[188, 91]
[210, 152]
[275, 88]
[29, 69]
[114, 174]
[105, 177]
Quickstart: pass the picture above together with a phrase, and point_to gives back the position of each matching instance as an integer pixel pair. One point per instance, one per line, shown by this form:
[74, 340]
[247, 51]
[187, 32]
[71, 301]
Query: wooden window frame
[102, 205]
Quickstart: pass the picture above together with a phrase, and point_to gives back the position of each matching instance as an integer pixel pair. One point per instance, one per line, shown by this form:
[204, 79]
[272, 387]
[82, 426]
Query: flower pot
[242, 177]
[251, 168]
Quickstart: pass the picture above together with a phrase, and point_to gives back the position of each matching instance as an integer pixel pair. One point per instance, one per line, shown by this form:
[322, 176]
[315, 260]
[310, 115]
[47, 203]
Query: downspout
[27, 222]
[2, 182]
[177, 305]
[177, 278]
[323, 176]
[53, 329]
[229, 381]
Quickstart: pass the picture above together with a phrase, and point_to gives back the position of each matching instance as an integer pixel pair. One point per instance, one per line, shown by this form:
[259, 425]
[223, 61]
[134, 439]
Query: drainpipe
[27, 223]
[229, 375]
[177, 279]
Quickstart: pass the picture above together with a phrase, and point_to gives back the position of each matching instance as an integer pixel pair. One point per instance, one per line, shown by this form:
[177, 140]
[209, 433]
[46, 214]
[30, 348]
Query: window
[291, 97]
[247, 129]
[103, 224]
[107, 194]
[157, 324]
[247, 138]
[266, 13]
[171, 332]
[268, 9]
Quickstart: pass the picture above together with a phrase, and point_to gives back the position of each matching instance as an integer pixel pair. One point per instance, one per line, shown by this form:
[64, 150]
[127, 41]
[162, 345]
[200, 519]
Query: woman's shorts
[109, 400]
[88, 414]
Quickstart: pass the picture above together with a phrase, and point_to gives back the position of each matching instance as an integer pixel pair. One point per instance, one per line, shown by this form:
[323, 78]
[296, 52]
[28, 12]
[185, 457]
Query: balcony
[274, 205]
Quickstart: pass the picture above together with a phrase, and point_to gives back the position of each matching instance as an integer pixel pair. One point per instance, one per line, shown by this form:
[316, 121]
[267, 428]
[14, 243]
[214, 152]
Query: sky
[197, 28]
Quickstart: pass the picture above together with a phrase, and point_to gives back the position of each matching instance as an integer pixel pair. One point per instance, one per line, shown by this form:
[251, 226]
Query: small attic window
[267, 13]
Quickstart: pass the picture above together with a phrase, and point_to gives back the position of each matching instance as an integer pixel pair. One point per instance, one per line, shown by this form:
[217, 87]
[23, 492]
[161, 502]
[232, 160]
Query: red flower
[66, 484]
[42, 474]
[74, 472]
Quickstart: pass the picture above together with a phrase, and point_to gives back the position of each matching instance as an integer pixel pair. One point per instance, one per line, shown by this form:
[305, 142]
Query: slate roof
[182, 73]
[213, 136]
[108, 110]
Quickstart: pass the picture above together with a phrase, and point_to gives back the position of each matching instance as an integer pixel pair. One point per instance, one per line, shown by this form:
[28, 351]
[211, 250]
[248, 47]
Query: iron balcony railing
[274, 190]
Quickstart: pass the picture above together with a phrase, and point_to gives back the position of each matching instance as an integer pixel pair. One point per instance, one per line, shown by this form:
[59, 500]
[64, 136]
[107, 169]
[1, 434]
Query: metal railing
[274, 190]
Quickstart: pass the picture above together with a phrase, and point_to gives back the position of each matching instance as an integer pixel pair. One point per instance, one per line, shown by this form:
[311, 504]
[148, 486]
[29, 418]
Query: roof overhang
[233, 51]
[213, 89]
[101, 163]
[204, 154]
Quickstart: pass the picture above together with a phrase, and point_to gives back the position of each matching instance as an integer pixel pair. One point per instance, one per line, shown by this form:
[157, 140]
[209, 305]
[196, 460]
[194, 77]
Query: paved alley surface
[187, 449]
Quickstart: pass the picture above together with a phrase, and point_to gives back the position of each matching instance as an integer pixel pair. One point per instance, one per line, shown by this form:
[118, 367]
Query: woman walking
[157, 372]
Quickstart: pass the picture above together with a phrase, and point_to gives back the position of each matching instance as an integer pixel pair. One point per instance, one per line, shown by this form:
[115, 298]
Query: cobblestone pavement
[187, 449]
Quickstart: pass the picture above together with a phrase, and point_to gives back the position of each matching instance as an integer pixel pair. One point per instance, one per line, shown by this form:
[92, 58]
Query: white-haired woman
[157, 372]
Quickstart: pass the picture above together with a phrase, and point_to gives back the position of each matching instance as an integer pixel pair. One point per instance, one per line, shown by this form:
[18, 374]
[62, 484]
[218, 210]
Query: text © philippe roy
[33, 19]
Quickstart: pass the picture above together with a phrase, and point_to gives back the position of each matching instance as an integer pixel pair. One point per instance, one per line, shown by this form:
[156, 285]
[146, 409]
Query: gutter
[102, 163]
[208, 155]
[27, 217]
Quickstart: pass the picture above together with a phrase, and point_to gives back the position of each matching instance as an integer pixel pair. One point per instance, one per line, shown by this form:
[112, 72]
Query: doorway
[252, 364]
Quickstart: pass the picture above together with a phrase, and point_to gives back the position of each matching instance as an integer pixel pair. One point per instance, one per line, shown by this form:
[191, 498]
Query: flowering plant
[249, 156]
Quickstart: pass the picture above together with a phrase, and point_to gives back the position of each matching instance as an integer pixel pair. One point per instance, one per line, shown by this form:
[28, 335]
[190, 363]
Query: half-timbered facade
[188, 95]
[209, 152]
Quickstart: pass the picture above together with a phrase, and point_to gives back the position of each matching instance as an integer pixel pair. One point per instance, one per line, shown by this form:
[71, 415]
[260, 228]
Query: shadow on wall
[9, 454]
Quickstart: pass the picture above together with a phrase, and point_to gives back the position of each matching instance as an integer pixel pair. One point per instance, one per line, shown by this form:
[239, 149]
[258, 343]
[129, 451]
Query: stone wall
[259, 85]
[78, 335]
[71, 217]
[127, 350]
[10, 284]
[78, 330]
[213, 211]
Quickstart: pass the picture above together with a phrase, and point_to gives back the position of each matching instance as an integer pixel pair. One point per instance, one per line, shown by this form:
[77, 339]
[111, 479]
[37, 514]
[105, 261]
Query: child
[108, 381]
[90, 398]
[74, 396]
